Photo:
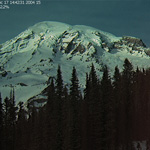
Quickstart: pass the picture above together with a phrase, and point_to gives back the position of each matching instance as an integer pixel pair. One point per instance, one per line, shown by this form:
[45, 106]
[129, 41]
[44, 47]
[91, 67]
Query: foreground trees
[110, 115]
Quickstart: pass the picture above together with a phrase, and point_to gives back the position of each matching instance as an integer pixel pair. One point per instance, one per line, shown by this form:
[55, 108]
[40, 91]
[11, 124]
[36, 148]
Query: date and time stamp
[6, 4]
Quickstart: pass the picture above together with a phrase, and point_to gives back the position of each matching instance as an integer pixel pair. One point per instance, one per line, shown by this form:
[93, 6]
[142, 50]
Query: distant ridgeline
[113, 114]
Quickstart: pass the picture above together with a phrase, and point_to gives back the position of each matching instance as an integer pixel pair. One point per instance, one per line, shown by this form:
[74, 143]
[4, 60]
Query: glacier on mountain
[32, 57]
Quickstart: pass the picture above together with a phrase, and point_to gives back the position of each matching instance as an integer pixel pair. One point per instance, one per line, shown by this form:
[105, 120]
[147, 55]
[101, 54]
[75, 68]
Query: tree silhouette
[127, 83]
[1, 123]
[59, 110]
[75, 133]
[107, 112]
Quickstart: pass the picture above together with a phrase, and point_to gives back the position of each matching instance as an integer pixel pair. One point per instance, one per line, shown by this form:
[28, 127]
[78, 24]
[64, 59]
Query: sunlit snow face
[32, 57]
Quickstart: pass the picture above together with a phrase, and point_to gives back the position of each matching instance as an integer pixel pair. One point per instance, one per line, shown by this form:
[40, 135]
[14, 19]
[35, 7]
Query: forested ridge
[110, 114]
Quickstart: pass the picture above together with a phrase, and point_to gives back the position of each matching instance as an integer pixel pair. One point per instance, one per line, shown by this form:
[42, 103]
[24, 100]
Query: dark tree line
[109, 115]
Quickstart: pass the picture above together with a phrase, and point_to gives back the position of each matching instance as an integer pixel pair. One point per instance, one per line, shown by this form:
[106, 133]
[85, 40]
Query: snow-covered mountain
[30, 59]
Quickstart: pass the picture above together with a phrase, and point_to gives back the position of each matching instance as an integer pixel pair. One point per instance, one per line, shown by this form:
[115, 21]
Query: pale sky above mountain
[119, 17]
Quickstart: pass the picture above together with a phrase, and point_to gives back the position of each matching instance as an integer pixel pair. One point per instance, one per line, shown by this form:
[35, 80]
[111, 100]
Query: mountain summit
[32, 57]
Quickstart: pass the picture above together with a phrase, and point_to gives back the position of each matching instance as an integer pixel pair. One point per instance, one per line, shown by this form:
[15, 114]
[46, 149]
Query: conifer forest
[109, 114]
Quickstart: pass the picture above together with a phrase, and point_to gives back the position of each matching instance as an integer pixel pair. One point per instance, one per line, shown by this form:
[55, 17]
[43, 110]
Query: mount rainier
[31, 58]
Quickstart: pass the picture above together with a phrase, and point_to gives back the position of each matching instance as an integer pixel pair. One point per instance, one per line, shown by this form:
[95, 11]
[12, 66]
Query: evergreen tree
[41, 127]
[10, 121]
[91, 90]
[59, 110]
[59, 84]
[1, 113]
[87, 88]
[117, 78]
[21, 127]
[7, 137]
[145, 105]
[13, 108]
[32, 128]
[22, 114]
[138, 119]
[74, 87]
[127, 93]
[116, 95]
[51, 117]
[65, 93]
[75, 133]
[107, 113]
[67, 117]
[13, 115]
[92, 99]
[1, 123]
[93, 76]
[51, 95]
[128, 70]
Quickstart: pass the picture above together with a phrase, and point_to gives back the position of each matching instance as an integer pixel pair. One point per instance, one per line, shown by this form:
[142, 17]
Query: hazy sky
[119, 17]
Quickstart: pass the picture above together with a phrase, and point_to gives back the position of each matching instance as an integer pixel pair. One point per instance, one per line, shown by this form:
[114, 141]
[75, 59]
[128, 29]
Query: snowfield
[31, 58]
